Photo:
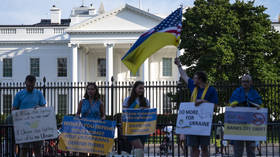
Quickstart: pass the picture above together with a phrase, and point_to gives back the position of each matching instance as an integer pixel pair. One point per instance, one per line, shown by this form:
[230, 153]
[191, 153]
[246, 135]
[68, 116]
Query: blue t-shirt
[25, 99]
[211, 94]
[91, 111]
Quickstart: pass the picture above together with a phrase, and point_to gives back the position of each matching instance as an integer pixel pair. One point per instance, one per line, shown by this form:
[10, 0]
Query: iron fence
[163, 142]
[163, 95]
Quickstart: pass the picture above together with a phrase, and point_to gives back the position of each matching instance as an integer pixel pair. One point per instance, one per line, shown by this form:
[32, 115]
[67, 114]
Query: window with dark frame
[35, 67]
[167, 106]
[166, 66]
[101, 65]
[62, 67]
[7, 67]
[7, 103]
[62, 104]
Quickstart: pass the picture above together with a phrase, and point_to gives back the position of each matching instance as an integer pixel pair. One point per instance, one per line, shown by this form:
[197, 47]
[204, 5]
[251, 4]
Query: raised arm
[183, 74]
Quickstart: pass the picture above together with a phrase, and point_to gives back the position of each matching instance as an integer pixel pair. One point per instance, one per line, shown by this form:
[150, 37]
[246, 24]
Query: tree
[230, 39]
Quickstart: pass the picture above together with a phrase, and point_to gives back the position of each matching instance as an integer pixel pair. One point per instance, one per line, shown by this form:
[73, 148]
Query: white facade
[89, 38]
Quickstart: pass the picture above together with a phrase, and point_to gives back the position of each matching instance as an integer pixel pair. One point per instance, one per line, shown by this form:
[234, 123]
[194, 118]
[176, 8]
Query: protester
[245, 96]
[137, 100]
[201, 93]
[25, 99]
[91, 106]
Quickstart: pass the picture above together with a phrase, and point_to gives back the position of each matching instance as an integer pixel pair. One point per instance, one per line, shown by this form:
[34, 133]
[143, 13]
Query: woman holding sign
[135, 101]
[91, 106]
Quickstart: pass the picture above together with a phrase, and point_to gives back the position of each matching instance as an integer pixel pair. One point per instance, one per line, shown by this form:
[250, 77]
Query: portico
[99, 43]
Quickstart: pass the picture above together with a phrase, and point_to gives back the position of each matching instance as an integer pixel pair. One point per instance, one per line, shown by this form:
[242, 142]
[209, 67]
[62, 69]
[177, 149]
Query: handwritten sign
[139, 121]
[87, 135]
[195, 120]
[245, 123]
[32, 125]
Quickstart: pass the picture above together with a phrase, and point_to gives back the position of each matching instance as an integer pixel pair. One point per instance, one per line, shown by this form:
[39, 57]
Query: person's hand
[177, 61]
[103, 118]
[198, 102]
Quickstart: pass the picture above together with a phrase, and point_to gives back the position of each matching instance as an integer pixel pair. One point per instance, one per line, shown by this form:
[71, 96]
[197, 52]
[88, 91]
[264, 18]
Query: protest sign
[139, 121]
[87, 135]
[245, 123]
[32, 125]
[194, 120]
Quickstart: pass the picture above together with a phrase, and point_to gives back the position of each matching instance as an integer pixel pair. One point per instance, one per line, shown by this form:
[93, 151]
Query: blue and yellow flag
[137, 122]
[166, 33]
[87, 135]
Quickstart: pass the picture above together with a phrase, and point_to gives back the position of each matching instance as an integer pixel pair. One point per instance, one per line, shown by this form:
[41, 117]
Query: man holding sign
[25, 99]
[201, 93]
[245, 96]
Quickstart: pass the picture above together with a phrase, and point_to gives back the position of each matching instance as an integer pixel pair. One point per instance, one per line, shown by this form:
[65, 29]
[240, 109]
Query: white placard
[245, 123]
[32, 125]
[195, 120]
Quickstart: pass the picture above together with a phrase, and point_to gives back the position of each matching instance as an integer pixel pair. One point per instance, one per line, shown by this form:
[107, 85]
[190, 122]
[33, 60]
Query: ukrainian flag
[166, 33]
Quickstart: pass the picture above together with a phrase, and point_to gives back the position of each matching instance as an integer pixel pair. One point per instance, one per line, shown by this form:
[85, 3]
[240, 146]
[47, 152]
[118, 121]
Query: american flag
[171, 24]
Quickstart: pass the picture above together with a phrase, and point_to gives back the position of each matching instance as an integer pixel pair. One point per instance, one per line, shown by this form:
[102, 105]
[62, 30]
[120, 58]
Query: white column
[74, 62]
[145, 70]
[109, 75]
[179, 53]
[109, 61]
[74, 69]
[86, 67]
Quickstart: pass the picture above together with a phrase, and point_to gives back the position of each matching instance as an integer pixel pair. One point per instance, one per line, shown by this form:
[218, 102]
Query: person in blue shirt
[26, 99]
[137, 100]
[201, 93]
[91, 106]
[245, 96]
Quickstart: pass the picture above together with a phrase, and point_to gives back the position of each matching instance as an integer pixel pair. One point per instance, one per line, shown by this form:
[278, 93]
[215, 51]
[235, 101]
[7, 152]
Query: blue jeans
[239, 148]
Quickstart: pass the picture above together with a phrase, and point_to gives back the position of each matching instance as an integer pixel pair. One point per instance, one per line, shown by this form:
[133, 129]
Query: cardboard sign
[194, 120]
[32, 125]
[87, 135]
[139, 121]
[245, 123]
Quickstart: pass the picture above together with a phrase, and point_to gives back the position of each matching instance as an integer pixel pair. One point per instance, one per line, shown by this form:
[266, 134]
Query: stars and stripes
[171, 24]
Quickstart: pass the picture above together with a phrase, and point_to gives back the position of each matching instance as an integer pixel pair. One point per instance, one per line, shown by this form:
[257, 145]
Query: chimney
[91, 10]
[55, 15]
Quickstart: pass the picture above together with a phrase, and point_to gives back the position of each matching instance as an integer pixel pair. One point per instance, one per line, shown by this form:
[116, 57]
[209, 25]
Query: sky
[16, 12]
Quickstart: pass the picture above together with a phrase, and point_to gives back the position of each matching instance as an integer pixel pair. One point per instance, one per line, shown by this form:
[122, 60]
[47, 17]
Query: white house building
[86, 47]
